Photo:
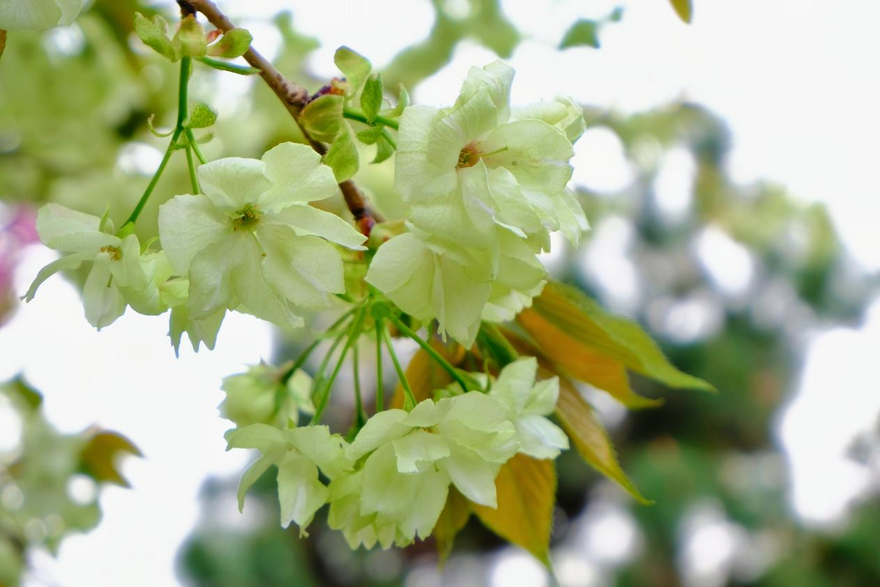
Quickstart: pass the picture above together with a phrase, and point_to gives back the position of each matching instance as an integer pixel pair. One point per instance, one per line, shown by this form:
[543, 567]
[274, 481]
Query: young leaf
[582, 33]
[453, 518]
[234, 43]
[684, 9]
[384, 150]
[589, 437]
[221, 65]
[370, 135]
[582, 361]
[526, 489]
[343, 157]
[584, 320]
[355, 67]
[190, 37]
[372, 97]
[322, 118]
[100, 455]
[402, 104]
[202, 116]
[154, 34]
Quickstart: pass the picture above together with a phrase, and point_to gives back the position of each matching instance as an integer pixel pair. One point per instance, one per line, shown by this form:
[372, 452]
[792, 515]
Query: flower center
[246, 218]
[469, 156]
[114, 253]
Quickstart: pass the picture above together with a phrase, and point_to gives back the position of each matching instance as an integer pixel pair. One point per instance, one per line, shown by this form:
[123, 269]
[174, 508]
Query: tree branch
[294, 97]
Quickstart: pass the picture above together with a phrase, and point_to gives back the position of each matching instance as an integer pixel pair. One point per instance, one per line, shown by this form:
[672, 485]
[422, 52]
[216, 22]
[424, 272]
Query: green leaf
[589, 437]
[372, 97]
[355, 67]
[526, 490]
[227, 66]
[370, 136]
[233, 43]
[384, 150]
[322, 118]
[684, 9]
[154, 34]
[453, 518]
[202, 116]
[343, 157]
[190, 37]
[402, 104]
[582, 33]
[583, 320]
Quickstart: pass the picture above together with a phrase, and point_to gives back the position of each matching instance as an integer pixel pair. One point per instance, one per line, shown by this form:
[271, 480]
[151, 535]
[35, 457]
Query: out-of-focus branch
[294, 97]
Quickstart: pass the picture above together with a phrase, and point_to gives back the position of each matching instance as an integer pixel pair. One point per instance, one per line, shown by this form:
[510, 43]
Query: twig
[294, 97]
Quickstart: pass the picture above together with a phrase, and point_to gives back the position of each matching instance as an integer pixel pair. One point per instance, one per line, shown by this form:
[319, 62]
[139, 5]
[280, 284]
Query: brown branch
[294, 97]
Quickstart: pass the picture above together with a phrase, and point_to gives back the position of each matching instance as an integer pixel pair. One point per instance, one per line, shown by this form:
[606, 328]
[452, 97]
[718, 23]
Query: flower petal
[470, 474]
[495, 79]
[309, 221]
[417, 178]
[322, 448]
[62, 264]
[102, 299]
[260, 436]
[300, 493]
[418, 450]
[379, 430]
[187, 225]
[210, 280]
[254, 292]
[536, 153]
[63, 229]
[403, 269]
[253, 473]
[233, 182]
[540, 438]
[297, 176]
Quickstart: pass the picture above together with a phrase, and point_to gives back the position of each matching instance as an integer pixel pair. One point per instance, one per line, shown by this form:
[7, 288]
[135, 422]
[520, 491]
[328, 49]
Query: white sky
[796, 80]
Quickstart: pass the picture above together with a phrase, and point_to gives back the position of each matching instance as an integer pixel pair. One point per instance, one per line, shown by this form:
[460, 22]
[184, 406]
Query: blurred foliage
[48, 481]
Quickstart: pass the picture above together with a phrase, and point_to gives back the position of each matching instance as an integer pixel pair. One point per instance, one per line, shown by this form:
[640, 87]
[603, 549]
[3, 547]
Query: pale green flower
[473, 161]
[563, 113]
[258, 396]
[413, 456]
[298, 453]
[253, 242]
[345, 515]
[86, 238]
[18, 15]
[521, 276]
[429, 279]
[529, 402]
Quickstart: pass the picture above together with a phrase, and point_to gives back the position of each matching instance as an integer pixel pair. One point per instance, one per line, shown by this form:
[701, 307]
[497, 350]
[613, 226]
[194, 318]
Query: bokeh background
[729, 174]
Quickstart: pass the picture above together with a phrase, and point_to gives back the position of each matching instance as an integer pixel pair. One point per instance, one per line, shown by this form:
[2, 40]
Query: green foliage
[583, 32]
[232, 44]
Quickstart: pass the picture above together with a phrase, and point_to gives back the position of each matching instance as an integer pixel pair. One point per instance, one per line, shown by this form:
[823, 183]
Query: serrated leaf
[322, 118]
[234, 43]
[370, 136]
[201, 115]
[343, 157]
[372, 97]
[453, 518]
[190, 37]
[154, 34]
[596, 332]
[355, 67]
[526, 490]
[582, 33]
[588, 436]
[684, 9]
[100, 455]
[384, 150]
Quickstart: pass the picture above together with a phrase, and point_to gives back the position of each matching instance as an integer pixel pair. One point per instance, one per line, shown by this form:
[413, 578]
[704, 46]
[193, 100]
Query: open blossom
[86, 238]
[529, 403]
[260, 396]
[252, 242]
[18, 15]
[298, 453]
[413, 457]
[475, 158]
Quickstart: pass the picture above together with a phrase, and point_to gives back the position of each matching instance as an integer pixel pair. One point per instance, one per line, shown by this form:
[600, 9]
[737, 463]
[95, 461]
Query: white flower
[529, 402]
[414, 456]
[17, 15]
[86, 238]
[298, 453]
[253, 242]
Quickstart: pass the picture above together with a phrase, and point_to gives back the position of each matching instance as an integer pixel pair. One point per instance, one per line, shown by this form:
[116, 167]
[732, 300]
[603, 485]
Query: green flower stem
[387, 136]
[230, 67]
[182, 111]
[360, 411]
[318, 381]
[453, 372]
[304, 356]
[495, 334]
[191, 138]
[401, 375]
[358, 114]
[380, 383]
[353, 332]
[191, 164]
